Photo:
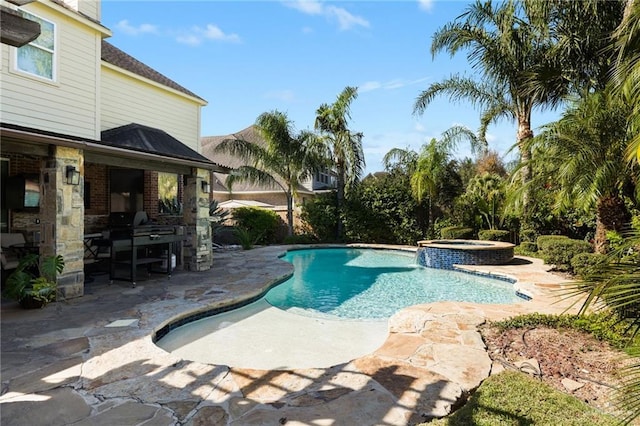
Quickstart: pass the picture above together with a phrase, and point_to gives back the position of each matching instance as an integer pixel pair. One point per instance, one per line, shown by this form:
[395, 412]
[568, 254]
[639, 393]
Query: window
[127, 190]
[38, 57]
[168, 200]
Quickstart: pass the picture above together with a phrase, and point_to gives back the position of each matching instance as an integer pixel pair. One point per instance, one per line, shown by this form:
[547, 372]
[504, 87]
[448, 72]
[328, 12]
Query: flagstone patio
[91, 361]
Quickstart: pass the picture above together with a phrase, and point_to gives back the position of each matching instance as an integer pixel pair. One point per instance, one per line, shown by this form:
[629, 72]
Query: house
[247, 194]
[85, 131]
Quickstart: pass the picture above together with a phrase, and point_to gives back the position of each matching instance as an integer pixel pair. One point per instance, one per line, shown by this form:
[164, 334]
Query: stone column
[62, 217]
[197, 246]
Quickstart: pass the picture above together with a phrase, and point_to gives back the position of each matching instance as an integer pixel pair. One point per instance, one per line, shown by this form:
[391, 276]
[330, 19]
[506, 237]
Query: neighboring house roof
[117, 57]
[234, 204]
[148, 139]
[250, 134]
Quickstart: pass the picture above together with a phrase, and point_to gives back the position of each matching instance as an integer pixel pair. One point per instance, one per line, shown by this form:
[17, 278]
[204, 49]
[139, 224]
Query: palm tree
[344, 145]
[627, 70]
[427, 177]
[487, 192]
[503, 48]
[587, 144]
[284, 161]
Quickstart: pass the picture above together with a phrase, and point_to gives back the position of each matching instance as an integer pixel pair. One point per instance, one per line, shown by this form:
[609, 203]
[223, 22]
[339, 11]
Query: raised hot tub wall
[440, 255]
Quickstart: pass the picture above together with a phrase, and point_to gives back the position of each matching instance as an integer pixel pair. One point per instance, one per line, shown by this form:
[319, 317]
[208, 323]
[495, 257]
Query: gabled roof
[148, 139]
[117, 57]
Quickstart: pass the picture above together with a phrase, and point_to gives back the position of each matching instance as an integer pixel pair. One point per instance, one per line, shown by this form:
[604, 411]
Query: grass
[513, 398]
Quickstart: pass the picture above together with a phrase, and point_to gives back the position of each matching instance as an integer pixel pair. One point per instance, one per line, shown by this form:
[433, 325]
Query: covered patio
[80, 182]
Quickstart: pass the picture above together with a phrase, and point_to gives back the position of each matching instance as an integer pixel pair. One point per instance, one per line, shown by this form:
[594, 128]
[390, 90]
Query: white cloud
[345, 19]
[129, 29]
[369, 86]
[396, 83]
[281, 95]
[197, 35]
[307, 30]
[425, 5]
[309, 7]
[419, 127]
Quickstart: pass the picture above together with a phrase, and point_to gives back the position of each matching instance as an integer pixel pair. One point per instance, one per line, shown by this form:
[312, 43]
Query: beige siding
[67, 105]
[90, 8]
[126, 99]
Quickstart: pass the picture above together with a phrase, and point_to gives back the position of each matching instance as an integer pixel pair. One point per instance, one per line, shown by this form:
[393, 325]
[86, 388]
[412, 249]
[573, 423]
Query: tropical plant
[345, 145]
[502, 47]
[487, 193]
[284, 161]
[34, 279]
[587, 147]
[615, 285]
[428, 175]
[627, 70]
[217, 216]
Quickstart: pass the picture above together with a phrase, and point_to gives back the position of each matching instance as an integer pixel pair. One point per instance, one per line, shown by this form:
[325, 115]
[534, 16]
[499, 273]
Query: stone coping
[465, 244]
[67, 363]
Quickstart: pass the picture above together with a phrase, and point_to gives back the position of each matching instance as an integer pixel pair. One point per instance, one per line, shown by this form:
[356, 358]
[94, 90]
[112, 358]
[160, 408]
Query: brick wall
[151, 194]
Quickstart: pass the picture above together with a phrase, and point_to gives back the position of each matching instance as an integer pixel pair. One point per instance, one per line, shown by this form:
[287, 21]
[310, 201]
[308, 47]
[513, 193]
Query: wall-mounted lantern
[205, 186]
[73, 176]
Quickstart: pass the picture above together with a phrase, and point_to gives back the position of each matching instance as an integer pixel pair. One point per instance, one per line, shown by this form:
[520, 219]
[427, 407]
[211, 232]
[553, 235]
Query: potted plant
[33, 284]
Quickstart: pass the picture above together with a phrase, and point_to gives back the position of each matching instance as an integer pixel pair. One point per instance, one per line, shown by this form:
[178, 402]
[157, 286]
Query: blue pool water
[367, 284]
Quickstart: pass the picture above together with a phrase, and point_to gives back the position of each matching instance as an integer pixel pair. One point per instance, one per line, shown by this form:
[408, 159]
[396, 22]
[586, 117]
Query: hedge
[584, 264]
[456, 232]
[495, 235]
[543, 241]
[560, 251]
[259, 223]
[528, 246]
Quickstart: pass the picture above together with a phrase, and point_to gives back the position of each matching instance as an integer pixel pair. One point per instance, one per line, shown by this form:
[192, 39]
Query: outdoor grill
[135, 241]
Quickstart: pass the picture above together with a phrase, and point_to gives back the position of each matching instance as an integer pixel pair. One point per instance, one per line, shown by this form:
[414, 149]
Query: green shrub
[543, 241]
[584, 264]
[494, 235]
[259, 223]
[559, 252]
[320, 217]
[456, 232]
[528, 235]
[528, 247]
[300, 239]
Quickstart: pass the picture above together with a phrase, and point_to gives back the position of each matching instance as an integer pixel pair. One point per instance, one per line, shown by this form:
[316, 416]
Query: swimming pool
[366, 284]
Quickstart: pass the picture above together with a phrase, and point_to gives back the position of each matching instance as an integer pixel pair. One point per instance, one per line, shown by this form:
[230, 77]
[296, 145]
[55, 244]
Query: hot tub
[443, 254]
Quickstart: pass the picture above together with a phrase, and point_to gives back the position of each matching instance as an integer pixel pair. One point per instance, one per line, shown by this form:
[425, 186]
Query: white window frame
[54, 55]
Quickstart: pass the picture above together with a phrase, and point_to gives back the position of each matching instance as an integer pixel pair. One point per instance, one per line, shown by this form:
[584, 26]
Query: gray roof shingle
[117, 57]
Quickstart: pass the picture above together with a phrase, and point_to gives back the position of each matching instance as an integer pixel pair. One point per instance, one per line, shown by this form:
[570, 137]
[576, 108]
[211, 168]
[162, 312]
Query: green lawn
[513, 398]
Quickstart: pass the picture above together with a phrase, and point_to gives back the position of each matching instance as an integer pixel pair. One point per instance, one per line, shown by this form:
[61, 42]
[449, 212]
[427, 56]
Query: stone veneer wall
[445, 258]
[62, 219]
[197, 252]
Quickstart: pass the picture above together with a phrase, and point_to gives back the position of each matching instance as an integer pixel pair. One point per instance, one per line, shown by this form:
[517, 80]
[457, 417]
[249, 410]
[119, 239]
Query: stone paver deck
[75, 362]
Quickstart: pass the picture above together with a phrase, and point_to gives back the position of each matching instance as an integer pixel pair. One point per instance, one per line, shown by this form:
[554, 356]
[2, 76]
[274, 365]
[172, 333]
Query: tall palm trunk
[611, 215]
[340, 183]
[289, 212]
[524, 134]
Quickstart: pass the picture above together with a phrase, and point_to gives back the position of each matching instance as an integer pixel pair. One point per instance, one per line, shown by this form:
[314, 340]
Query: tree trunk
[611, 215]
[340, 182]
[524, 134]
[289, 213]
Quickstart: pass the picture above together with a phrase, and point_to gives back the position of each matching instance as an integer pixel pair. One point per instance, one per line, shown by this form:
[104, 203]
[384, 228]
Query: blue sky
[248, 57]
